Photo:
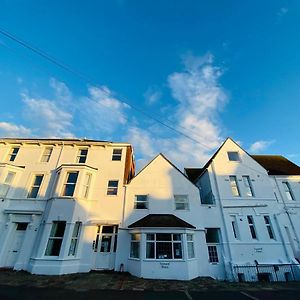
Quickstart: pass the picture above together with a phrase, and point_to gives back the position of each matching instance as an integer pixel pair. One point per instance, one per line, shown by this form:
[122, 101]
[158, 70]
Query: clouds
[101, 110]
[197, 100]
[12, 130]
[260, 146]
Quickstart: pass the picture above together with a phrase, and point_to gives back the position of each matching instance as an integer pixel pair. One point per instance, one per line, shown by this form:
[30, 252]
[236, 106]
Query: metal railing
[267, 272]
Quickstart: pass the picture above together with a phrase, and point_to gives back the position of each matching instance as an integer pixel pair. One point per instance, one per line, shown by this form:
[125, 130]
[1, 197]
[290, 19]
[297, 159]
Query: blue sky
[210, 69]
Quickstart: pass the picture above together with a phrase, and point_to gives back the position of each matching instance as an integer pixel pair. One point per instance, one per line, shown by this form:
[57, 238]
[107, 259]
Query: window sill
[134, 259]
[164, 260]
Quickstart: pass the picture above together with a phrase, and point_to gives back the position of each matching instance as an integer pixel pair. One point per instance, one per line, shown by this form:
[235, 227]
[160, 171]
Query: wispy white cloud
[152, 95]
[46, 118]
[260, 146]
[101, 110]
[198, 99]
[12, 130]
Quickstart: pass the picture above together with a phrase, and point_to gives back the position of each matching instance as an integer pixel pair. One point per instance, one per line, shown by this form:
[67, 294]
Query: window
[117, 154]
[141, 202]
[13, 153]
[212, 240]
[55, 238]
[234, 186]
[106, 239]
[34, 190]
[163, 246]
[81, 157]
[190, 245]
[74, 239]
[269, 227]
[233, 156]
[288, 191]
[86, 185]
[4, 188]
[234, 226]
[21, 226]
[213, 253]
[112, 187]
[248, 186]
[252, 227]
[46, 155]
[135, 245]
[181, 202]
[70, 184]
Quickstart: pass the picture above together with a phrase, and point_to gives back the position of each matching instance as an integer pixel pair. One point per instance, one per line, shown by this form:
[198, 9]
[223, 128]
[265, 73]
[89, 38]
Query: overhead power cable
[88, 79]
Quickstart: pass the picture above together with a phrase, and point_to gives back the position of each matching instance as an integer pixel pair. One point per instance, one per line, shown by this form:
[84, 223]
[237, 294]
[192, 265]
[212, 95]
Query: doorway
[105, 246]
[16, 244]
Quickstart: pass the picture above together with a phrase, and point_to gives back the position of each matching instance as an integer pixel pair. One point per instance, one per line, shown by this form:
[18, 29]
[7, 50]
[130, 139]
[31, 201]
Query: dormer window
[233, 156]
[81, 157]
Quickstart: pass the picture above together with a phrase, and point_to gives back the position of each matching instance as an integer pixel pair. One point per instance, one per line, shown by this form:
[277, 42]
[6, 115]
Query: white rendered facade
[57, 229]
[72, 205]
[251, 208]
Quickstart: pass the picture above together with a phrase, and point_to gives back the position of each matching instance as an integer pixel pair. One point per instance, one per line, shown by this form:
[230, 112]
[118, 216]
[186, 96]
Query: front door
[16, 244]
[105, 246]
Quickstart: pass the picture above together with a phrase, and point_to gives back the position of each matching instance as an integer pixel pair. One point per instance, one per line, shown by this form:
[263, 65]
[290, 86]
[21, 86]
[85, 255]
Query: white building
[61, 203]
[255, 201]
[71, 205]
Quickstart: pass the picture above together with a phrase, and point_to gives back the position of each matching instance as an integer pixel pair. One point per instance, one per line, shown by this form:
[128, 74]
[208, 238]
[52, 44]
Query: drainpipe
[288, 214]
[124, 203]
[223, 217]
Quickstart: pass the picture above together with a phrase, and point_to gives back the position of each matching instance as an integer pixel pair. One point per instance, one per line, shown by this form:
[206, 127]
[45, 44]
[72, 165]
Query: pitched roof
[277, 164]
[193, 173]
[161, 220]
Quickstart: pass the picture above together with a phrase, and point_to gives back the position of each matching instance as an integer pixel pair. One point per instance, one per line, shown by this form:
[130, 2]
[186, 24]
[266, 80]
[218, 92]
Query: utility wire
[88, 79]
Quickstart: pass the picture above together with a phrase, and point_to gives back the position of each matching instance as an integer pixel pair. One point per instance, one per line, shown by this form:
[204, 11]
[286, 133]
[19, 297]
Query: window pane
[177, 250]
[233, 156]
[135, 250]
[53, 247]
[58, 229]
[72, 177]
[106, 243]
[163, 237]
[150, 250]
[234, 186]
[107, 229]
[76, 229]
[163, 250]
[212, 235]
[191, 251]
[117, 154]
[176, 237]
[150, 237]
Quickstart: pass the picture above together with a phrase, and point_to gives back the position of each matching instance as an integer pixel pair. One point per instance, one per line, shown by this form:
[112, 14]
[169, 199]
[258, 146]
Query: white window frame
[181, 202]
[138, 201]
[5, 187]
[234, 186]
[234, 227]
[252, 228]
[35, 186]
[13, 153]
[233, 156]
[173, 241]
[82, 156]
[212, 246]
[53, 237]
[46, 154]
[116, 156]
[248, 186]
[66, 183]
[269, 227]
[112, 190]
[190, 245]
[75, 239]
[288, 191]
[135, 244]
[87, 184]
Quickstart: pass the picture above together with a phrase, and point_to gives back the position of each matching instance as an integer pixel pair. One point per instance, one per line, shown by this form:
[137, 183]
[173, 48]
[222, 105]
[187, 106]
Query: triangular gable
[168, 161]
[219, 149]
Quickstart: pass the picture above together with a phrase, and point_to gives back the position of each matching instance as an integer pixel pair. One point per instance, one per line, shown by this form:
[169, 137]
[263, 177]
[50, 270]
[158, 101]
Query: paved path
[31, 293]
